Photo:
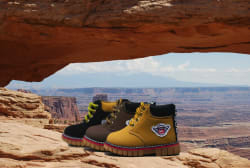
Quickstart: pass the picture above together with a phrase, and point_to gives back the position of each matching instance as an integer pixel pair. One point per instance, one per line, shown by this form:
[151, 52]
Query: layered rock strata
[21, 105]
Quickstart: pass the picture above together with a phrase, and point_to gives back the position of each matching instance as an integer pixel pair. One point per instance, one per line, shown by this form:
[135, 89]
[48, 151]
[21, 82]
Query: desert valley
[213, 127]
[207, 117]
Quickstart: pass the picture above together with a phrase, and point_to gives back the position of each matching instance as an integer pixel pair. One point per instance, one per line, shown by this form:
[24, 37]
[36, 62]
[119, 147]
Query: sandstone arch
[37, 38]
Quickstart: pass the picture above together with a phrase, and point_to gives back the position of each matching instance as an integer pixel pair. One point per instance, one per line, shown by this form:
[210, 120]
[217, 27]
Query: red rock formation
[64, 108]
[21, 105]
[37, 38]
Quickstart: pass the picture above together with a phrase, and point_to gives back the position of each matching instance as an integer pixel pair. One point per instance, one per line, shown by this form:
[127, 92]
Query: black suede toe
[75, 131]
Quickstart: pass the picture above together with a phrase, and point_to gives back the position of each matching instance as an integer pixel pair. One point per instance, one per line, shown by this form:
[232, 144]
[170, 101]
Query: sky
[201, 68]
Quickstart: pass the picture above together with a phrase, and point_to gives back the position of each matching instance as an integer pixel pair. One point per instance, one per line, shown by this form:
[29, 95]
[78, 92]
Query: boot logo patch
[127, 122]
[161, 129]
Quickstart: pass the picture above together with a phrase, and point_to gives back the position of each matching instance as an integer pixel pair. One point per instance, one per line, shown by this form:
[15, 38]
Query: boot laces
[91, 110]
[138, 114]
[110, 119]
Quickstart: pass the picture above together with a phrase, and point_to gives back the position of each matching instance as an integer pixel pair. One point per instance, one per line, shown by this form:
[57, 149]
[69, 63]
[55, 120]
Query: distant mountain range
[139, 80]
[88, 93]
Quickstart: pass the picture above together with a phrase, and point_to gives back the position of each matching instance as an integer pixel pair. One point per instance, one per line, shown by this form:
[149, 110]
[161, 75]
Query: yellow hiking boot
[152, 130]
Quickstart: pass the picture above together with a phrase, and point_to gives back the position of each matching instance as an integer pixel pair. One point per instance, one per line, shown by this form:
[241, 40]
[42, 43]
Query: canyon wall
[37, 38]
[24, 104]
[64, 108]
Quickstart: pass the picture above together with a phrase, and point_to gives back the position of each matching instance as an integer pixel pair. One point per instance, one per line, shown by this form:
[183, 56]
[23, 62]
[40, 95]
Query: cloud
[142, 65]
[186, 70]
[77, 68]
[183, 66]
[146, 65]
[237, 70]
[202, 70]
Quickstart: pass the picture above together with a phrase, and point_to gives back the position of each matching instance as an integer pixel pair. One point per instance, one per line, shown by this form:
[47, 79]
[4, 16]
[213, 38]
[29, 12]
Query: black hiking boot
[97, 112]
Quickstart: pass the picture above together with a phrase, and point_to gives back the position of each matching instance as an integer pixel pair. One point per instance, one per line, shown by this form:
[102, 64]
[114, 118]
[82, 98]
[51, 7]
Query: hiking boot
[96, 135]
[97, 112]
[152, 130]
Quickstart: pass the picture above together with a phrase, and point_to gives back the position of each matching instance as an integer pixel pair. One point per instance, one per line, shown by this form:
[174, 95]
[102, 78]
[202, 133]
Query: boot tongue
[162, 110]
[131, 107]
[105, 106]
[120, 101]
[99, 102]
[119, 105]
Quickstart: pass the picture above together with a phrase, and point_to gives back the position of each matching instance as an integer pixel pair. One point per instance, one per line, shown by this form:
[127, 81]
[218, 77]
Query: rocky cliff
[37, 38]
[21, 105]
[64, 108]
[45, 148]
[23, 108]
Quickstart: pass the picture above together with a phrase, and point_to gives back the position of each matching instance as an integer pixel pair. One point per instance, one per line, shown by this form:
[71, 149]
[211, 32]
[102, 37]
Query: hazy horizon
[169, 70]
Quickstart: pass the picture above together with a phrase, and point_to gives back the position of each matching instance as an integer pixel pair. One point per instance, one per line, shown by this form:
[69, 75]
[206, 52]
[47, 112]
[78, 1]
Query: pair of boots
[131, 129]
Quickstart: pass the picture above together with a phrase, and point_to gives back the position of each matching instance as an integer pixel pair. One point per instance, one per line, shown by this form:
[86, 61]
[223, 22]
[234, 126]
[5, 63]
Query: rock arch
[37, 38]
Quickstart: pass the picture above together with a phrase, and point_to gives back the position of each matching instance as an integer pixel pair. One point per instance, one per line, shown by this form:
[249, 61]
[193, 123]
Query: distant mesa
[24, 91]
[103, 97]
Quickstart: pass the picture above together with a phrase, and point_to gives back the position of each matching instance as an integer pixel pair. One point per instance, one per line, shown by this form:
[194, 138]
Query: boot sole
[93, 144]
[159, 150]
[73, 141]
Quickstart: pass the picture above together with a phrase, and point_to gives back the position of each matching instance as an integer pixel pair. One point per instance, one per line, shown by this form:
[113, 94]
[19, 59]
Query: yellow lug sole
[158, 151]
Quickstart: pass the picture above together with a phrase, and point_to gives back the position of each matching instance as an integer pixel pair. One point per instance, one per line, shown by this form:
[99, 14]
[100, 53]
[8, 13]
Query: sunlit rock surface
[21, 105]
[25, 146]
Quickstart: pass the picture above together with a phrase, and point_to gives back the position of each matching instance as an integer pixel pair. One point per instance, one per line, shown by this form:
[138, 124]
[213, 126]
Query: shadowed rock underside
[37, 38]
